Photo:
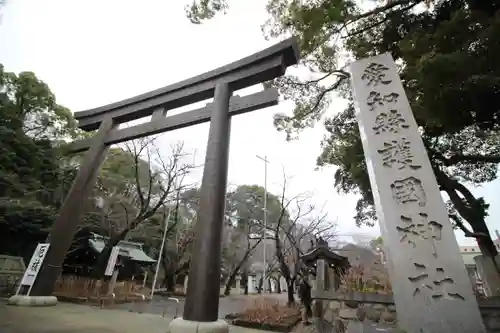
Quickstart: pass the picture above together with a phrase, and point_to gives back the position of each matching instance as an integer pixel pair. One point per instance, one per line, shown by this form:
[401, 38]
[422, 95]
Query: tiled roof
[131, 250]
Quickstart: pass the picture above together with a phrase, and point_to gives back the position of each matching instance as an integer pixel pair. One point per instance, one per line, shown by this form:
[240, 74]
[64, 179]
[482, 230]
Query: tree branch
[378, 10]
[456, 158]
[467, 232]
[385, 19]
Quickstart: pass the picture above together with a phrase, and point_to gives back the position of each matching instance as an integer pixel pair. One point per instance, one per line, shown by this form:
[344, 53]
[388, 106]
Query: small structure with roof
[328, 268]
[320, 261]
[88, 245]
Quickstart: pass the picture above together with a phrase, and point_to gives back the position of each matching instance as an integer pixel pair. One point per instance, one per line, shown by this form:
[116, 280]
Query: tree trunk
[290, 292]
[169, 281]
[470, 209]
[227, 289]
[230, 280]
[486, 245]
[232, 275]
[102, 260]
[259, 287]
[244, 277]
[169, 272]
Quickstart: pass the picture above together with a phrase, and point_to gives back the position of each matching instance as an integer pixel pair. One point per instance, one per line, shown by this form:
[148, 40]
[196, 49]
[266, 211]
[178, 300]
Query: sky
[92, 53]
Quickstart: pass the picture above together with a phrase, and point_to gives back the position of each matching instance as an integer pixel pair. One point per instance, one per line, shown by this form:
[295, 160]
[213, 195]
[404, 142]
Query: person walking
[306, 299]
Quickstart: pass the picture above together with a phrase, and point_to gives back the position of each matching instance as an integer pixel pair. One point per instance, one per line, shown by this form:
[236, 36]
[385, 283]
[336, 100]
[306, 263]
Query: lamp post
[265, 218]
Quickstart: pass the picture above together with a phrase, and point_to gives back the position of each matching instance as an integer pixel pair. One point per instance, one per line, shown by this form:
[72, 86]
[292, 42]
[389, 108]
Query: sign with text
[35, 264]
[112, 261]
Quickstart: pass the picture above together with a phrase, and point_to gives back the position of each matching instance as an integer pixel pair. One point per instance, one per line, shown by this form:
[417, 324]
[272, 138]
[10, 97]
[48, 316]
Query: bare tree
[176, 256]
[243, 232]
[299, 222]
[242, 243]
[154, 183]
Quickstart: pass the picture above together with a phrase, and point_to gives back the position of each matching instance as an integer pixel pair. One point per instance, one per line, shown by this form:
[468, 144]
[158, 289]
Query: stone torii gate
[203, 289]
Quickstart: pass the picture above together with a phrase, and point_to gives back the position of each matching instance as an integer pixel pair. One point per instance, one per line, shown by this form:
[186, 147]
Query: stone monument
[432, 291]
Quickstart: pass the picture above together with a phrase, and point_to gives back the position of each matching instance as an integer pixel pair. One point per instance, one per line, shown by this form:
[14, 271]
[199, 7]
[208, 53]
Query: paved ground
[357, 327]
[227, 305]
[353, 327]
[73, 318]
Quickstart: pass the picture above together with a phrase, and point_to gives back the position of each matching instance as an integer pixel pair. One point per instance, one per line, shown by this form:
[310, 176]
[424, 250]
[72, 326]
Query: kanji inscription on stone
[433, 284]
[409, 190]
[389, 122]
[398, 153]
[375, 74]
[375, 99]
[424, 261]
[419, 231]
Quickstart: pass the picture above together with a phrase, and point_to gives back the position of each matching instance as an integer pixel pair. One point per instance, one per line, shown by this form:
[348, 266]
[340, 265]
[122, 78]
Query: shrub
[86, 288]
[270, 311]
[364, 279]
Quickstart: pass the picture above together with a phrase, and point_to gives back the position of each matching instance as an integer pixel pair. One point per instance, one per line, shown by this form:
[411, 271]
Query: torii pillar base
[24, 300]
[180, 325]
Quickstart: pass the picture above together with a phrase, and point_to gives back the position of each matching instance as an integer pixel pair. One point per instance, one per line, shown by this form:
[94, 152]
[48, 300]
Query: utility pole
[265, 220]
[167, 219]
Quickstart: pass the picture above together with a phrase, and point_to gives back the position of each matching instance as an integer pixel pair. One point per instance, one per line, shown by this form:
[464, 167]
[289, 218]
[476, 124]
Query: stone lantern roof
[322, 251]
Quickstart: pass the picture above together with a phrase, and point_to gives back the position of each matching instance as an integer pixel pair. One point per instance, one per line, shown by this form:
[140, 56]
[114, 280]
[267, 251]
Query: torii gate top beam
[238, 105]
[259, 67]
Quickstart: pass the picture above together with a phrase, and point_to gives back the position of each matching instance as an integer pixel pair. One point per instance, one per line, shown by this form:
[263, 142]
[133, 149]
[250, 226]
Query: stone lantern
[328, 268]
[326, 265]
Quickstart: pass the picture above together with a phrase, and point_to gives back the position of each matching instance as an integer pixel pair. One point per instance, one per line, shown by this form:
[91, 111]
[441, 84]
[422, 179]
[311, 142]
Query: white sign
[35, 264]
[112, 261]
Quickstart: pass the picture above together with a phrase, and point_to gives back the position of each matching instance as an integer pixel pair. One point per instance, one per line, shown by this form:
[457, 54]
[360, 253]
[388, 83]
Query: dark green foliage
[448, 53]
[32, 179]
[452, 84]
[23, 224]
[201, 10]
[246, 203]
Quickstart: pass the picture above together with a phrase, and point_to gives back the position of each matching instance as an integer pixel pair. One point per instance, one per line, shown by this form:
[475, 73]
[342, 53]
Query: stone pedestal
[250, 284]
[320, 275]
[489, 274]
[282, 283]
[237, 289]
[334, 280]
[179, 325]
[185, 284]
[23, 300]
